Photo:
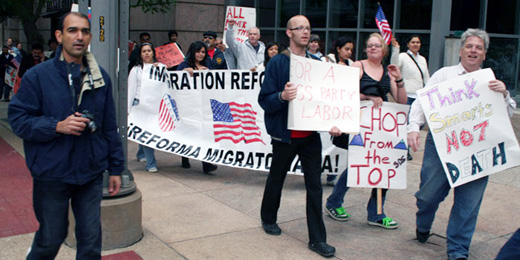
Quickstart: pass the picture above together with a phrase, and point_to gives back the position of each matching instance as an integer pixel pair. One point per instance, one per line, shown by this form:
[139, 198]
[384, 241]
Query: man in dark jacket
[70, 139]
[6, 60]
[30, 60]
[215, 55]
[274, 98]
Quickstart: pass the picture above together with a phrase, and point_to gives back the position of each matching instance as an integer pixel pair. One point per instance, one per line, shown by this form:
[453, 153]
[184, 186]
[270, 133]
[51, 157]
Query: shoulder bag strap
[422, 75]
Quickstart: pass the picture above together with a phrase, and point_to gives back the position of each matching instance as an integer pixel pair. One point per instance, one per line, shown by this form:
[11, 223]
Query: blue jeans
[434, 188]
[51, 207]
[335, 200]
[149, 154]
[511, 250]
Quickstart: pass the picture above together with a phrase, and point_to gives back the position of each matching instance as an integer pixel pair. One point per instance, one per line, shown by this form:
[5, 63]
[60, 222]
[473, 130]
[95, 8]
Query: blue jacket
[43, 100]
[219, 60]
[270, 98]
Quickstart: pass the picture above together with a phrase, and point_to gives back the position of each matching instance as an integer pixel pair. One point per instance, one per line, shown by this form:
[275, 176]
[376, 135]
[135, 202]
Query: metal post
[106, 45]
[441, 18]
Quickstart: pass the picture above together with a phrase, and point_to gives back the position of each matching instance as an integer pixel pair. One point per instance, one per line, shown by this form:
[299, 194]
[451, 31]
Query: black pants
[309, 151]
[4, 90]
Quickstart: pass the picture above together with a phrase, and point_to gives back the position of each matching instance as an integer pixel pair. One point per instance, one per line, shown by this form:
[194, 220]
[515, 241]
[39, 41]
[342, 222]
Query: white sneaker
[141, 159]
[153, 169]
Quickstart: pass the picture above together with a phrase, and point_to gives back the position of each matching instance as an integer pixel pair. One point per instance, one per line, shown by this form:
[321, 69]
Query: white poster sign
[212, 116]
[377, 155]
[470, 126]
[328, 95]
[245, 19]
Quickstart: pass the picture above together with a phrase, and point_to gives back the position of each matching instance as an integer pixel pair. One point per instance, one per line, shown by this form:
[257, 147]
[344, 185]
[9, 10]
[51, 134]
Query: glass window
[371, 10]
[333, 36]
[403, 39]
[289, 9]
[266, 13]
[267, 36]
[464, 14]
[501, 16]
[316, 12]
[282, 39]
[244, 3]
[501, 57]
[343, 14]
[415, 14]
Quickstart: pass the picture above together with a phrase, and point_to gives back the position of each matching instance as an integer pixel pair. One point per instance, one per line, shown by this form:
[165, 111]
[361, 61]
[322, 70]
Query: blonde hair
[380, 38]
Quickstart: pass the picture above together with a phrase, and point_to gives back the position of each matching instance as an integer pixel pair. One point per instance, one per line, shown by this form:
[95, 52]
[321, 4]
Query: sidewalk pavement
[190, 215]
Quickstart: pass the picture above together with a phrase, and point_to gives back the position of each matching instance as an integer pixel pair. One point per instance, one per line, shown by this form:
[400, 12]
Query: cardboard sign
[245, 19]
[328, 95]
[212, 116]
[169, 55]
[377, 155]
[10, 76]
[470, 126]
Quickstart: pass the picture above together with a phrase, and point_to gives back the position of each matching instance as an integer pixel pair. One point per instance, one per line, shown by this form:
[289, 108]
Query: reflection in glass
[344, 13]
[501, 16]
[415, 14]
[501, 57]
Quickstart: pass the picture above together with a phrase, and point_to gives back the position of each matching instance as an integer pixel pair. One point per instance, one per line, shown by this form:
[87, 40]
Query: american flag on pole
[168, 114]
[235, 122]
[383, 25]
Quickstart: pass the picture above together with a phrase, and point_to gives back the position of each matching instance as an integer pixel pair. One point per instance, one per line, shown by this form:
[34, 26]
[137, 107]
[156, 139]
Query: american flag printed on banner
[383, 25]
[168, 114]
[235, 122]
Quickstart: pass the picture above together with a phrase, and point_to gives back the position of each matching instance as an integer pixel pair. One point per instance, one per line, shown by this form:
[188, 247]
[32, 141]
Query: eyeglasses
[301, 29]
[370, 46]
[209, 37]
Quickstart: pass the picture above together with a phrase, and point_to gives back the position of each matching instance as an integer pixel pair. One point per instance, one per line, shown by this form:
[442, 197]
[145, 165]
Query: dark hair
[144, 34]
[51, 40]
[266, 53]
[139, 61]
[37, 46]
[62, 19]
[190, 57]
[172, 32]
[340, 42]
[413, 36]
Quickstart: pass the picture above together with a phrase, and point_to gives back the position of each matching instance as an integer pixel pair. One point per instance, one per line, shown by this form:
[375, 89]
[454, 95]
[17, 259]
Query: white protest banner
[245, 19]
[328, 95]
[212, 116]
[470, 126]
[377, 155]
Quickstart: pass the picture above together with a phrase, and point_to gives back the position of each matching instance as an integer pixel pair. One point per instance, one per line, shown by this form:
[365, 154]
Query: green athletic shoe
[338, 214]
[386, 223]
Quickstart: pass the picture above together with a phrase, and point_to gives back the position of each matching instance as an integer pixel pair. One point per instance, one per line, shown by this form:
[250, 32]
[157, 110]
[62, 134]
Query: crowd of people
[57, 129]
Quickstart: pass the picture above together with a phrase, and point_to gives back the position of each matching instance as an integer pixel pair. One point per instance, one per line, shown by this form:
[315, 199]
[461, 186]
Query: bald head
[292, 21]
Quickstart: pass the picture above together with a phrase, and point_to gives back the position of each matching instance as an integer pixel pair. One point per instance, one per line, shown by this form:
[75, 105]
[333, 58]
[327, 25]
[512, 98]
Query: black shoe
[409, 156]
[186, 163]
[208, 167]
[323, 249]
[272, 229]
[461, 258]
[422, 236]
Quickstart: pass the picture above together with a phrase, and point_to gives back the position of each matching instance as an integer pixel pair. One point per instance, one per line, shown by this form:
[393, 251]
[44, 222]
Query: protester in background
[172, 38]
[215, 55]
[20, 48]
[30, 60]
[274, 98]
[147, 56]
[342, 51]
[413, 67]
[53, 45]
[220, 44]
[375, 82]
[314, 46]
[272, 49]
[434, 186]
[249, 53]
[6, 60]
[196, 59]
[143, 37]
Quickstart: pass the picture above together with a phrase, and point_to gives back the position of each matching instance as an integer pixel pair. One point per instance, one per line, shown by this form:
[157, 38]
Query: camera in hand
[91, 125]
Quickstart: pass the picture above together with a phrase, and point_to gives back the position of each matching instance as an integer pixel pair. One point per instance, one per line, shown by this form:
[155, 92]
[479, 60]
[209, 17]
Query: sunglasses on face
[209, 37]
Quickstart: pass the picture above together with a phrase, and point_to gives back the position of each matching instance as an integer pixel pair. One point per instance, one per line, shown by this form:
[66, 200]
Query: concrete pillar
[120, 222]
